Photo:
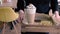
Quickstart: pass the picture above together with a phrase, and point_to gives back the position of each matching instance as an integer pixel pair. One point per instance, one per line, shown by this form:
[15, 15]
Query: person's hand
[21, 15]
[50, 13]
[55, 17]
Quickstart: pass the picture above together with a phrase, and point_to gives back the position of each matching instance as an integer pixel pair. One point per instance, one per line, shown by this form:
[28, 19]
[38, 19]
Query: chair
[8, 15]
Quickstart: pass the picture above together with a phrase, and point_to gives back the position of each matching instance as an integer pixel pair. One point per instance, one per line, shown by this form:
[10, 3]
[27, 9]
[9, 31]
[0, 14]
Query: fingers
[56, 18]
[57, 14]
[21, 11]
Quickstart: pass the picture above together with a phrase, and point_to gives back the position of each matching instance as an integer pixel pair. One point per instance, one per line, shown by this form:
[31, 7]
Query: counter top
[38, 28]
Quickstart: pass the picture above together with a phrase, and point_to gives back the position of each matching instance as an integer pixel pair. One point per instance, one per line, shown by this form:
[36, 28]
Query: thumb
[50, 13]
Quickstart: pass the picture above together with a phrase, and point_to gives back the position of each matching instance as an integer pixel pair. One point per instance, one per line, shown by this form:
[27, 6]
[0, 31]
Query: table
[37, 28]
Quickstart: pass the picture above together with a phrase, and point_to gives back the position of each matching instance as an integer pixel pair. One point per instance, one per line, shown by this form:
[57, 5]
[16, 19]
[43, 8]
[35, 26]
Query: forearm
[20, 5]
[54, 5]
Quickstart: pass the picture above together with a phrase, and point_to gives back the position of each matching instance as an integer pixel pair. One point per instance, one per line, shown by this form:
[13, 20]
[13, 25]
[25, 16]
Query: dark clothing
[20, 5]
[41, 5]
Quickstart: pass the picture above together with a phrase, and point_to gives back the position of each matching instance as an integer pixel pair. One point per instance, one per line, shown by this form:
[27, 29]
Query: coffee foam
[31, 6]
[31, 9]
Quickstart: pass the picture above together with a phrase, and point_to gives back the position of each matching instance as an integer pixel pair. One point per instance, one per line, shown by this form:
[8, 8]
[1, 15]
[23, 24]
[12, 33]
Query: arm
[20, 5]
[54, 5]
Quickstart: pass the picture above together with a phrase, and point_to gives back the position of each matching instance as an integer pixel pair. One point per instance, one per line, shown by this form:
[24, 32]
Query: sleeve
[30, 1]
[54, 5]
[20, 5]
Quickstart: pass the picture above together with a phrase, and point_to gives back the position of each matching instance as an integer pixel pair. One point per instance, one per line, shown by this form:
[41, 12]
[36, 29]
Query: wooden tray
[39, 18]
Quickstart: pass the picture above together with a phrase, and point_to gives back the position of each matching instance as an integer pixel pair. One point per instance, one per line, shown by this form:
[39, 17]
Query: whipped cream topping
[30, 9]
[31, 6]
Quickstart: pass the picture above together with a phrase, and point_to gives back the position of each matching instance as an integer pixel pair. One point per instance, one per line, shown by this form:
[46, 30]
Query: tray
[39, 18]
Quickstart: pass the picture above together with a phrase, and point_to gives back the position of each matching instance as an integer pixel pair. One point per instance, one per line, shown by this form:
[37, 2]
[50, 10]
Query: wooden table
[38, 28]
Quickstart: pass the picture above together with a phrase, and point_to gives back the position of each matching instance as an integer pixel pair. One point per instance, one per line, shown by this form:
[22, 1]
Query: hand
[21, 15]
[55, 17]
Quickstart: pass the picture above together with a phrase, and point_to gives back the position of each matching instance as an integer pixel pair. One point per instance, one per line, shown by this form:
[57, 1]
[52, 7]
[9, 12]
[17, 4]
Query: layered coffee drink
[30, 13]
